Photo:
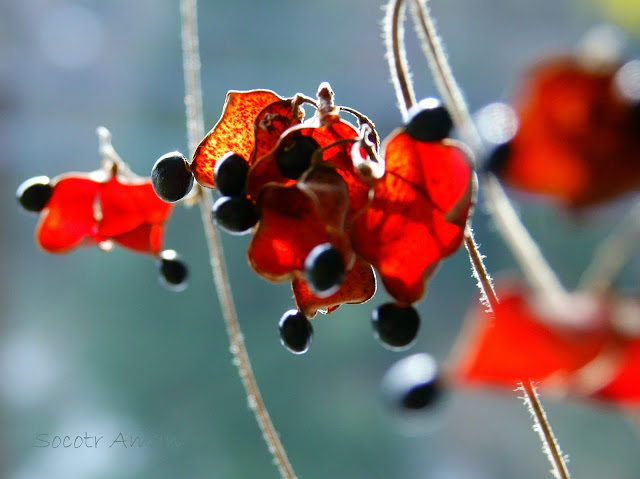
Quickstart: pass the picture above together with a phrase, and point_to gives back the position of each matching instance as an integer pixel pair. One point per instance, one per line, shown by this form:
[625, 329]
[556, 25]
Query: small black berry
[170, 177]
[296, 331]
[34, 194]
[395, 326]
[497, 159]
[429, 120]
[413, 384]
[235, 214]
[324, 269]
[294, 156]
[173, 272]
[230, 174]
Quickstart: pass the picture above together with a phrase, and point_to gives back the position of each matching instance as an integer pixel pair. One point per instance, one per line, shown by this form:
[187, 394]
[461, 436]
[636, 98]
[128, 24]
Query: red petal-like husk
[127, 205]
[625, 387]
[418, 213]
[516, 343]
[68, 219]
[146, 238]
[358, 286]
[295, 219]
[233, 132]
[85, 209]
[577, 139]
[624, 352]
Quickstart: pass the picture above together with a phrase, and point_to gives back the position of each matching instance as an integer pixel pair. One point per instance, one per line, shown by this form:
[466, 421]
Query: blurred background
[92, 345]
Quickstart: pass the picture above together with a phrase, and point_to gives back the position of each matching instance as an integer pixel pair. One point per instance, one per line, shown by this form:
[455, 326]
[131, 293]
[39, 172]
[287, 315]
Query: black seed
[34, 193]
[170, 177]
[235, 214]
[497, 159]
[173, 272]
[429, 120]
[294, 156]
[296, 331]
[230, 174]
[324, 269]
[413, 384]
[395, 326]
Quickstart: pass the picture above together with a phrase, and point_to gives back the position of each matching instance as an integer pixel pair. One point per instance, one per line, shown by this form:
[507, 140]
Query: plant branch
[441, 70]
[612, 254]
[535, 267]
[485, 284]
[195, 131]
[541, 425]
[454, 100]
[397, 57]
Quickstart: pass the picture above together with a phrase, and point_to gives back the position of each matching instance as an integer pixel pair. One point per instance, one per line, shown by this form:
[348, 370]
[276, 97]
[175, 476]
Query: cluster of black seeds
[234, 212]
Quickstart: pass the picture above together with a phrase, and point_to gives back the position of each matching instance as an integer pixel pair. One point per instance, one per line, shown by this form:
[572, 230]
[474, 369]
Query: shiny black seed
[230, 174]
[294, 156]
[324, 269]
[173, 272]
[235, 214]
[413, 384]
[170, 177]
[497, 159]
[395, 326]
[429, 120]
[34, 193]
[296, 331]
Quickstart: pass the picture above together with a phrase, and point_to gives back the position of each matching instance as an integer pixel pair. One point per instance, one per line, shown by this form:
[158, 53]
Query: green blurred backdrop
[92, 345]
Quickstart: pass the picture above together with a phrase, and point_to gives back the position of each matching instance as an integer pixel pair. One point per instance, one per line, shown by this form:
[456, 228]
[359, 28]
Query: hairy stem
[397, 57]
[535, 267]
[453, 98]
[441, 70]
[195, 131]
[542, 426]
[485, 284]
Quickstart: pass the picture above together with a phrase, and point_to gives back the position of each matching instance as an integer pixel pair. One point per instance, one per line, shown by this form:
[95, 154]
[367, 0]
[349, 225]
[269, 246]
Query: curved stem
[396, 56]
[195, 130]
[441, 70]
[537, 270]
[363, 120]
[453, 98]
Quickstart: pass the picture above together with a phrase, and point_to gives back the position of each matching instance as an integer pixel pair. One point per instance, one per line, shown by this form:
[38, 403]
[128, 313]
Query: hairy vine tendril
[453, 98]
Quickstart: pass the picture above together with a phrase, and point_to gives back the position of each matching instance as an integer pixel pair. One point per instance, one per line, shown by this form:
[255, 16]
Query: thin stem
[550, 444]
[542, 426]
[441, 70]
[541, 277]
[485, 284]
[612, 255]
[363, 120]
[396, 56]
[453, 98]
[195, 130]
[535, 267]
